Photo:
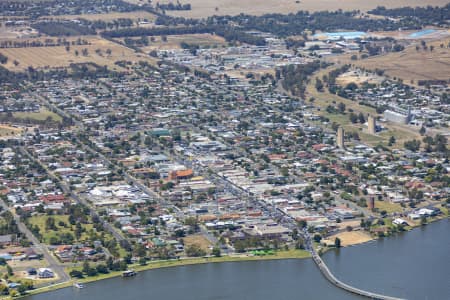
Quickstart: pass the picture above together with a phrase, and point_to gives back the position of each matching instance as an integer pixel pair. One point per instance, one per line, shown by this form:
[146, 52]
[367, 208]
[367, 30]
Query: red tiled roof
[53, 198]
[319, 147]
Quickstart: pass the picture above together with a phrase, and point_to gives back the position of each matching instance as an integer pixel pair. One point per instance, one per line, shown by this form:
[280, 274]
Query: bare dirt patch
[352, 223]
[22, 265]
[198, 239]
[358, 78]
[8, 131]
[349, 238]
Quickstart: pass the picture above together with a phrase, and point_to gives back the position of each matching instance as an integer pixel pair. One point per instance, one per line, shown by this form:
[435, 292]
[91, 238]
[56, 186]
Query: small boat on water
[78, 285]
[129, 273]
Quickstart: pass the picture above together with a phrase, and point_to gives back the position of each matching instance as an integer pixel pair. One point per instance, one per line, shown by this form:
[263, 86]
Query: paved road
[39, 247]
[59, 111]
[79, 199]
[106, 162]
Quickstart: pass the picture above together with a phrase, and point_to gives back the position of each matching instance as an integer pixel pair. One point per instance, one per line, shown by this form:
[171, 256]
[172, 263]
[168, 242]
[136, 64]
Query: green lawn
[388, 206]
[122, 252]
[47, 234]
[373, 140]
[290, 254]
[47, 288]
[42, 115]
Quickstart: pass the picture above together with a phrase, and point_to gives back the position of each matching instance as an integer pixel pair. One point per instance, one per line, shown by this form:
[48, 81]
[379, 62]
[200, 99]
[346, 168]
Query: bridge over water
[328, 275]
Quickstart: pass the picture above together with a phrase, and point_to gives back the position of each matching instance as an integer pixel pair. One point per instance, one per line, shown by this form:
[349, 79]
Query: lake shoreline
[153, 265]
[279, 255]
[374, 238]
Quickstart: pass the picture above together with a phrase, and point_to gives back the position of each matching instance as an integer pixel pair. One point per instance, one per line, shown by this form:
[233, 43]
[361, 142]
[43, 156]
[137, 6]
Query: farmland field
[47, 57]
[135, 15]
[203, 8]
[412, 64]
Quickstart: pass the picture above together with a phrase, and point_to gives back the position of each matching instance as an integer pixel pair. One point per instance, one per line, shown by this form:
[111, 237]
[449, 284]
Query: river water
[411, 265]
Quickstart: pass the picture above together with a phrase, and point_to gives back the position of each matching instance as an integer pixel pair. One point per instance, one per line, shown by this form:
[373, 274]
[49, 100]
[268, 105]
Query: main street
[227, 185]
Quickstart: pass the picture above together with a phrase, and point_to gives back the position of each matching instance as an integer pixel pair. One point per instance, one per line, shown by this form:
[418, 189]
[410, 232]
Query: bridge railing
[328, 275]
